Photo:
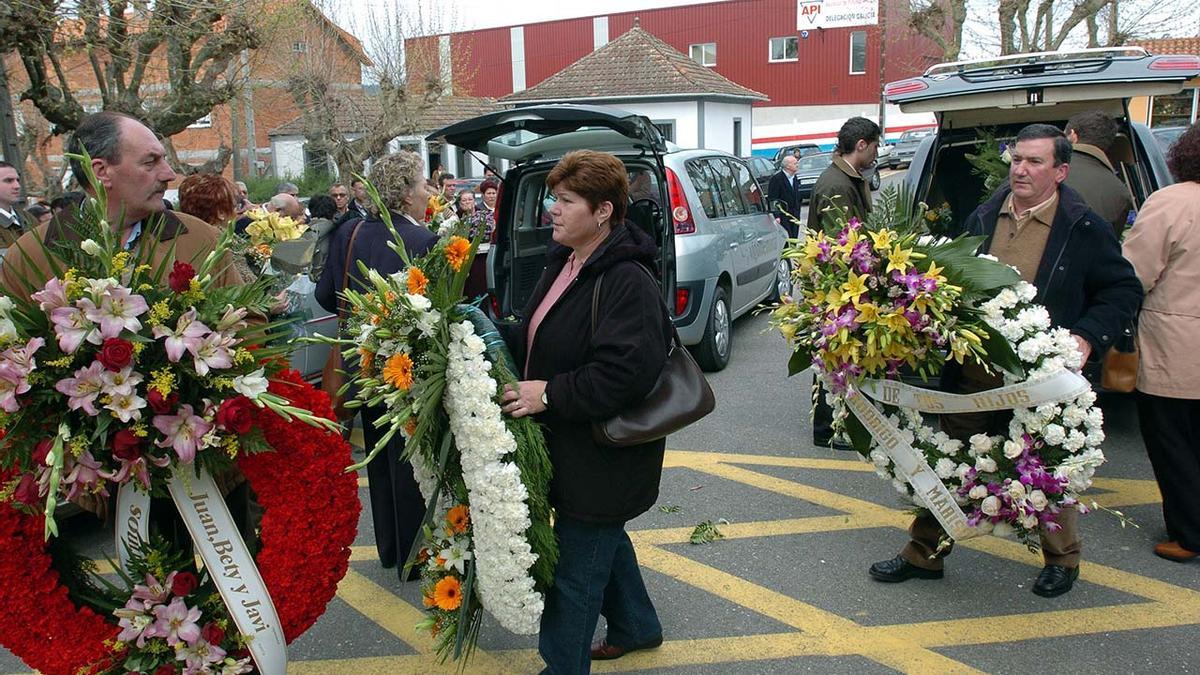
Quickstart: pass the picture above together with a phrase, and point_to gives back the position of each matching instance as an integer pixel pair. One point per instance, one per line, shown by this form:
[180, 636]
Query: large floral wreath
[300, 480]
[879, 299]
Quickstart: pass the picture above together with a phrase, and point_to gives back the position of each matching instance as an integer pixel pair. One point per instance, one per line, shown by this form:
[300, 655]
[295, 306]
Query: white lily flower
[251, 385]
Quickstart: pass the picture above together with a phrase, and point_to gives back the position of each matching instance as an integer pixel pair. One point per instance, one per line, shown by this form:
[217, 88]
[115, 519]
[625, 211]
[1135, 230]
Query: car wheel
[875, 180]
[783, 281]
[713, 351]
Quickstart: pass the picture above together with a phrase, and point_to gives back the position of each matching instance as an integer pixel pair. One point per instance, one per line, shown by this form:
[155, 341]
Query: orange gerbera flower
[456, 252]
[399, 371]
[427, 601]
[410, 427]
[417, 281]
[365, 359]
[447, 595]
[458, 518]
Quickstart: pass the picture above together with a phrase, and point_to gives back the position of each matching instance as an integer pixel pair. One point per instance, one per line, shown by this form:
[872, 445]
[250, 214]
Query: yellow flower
[456, 252]
[895, 321]
[159, 313]
[812, 248]
[867, 312]
[851, 290]
[935, 272]
[398, 371]
[882, 240]
[899, 258]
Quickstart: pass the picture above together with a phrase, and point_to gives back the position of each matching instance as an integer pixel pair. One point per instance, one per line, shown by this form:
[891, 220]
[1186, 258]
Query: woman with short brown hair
[210, 198]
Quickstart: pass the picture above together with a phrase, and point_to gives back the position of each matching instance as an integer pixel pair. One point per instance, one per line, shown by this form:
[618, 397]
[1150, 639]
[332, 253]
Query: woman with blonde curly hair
[396, 505]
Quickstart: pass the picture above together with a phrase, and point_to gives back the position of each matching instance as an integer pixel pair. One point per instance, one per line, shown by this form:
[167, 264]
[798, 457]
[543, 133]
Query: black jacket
[780, 189]
[594, 374]
[371, 247]
[1083, 280]
[836, 186]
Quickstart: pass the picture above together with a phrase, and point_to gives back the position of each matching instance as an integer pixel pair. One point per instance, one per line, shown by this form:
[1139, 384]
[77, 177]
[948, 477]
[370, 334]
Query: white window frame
[771, 49]
[202, 123]
[700, 60]
[863, 33]
[300, 47]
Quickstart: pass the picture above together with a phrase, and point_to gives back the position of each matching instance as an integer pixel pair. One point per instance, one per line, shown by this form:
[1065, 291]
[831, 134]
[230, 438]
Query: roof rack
[1094, 54]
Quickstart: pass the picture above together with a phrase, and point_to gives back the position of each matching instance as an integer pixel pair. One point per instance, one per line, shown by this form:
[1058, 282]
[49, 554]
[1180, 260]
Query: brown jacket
[1092, 177]
[25, 265]
[839, 184]
[1164, 247]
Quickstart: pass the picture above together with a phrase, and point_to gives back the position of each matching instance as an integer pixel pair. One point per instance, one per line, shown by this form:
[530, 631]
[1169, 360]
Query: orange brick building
[298, 41]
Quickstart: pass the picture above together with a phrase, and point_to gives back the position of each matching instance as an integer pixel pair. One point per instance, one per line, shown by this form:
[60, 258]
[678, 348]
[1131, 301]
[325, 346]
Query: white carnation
[1054, 434]
[981, 444]
[944, 468]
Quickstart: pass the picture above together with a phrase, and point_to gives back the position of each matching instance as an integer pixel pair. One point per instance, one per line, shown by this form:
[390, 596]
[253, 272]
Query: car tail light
[494, 302]
[681, 300]
[904, 87]
[680, 214]
[1176, 62]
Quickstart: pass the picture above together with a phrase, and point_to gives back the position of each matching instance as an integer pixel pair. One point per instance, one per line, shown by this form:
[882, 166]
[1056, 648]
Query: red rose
[27, 491]
[213, 634]
[184, 583]
[181, 277]
[126, 445]
[161, 405]
[235, 414]
[42, 450]
[166, 669]
[115, 354]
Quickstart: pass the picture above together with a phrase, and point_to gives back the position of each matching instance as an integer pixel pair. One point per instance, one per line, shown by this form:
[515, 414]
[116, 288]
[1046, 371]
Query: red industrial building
[815, 68]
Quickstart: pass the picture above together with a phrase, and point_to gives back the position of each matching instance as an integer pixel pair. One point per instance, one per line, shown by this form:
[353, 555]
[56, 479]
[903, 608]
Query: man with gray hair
[244, 204]
[287, 187]
[286, 205]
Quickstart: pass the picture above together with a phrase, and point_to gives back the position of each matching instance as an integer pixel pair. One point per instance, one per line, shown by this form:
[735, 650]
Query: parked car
[1167, 135]
[804, 148]
[761, 168]
[718, 245]
[998, 97]
[906, 146]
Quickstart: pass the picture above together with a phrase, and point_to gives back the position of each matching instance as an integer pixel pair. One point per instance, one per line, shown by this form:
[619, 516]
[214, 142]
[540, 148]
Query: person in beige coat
[1164, 247]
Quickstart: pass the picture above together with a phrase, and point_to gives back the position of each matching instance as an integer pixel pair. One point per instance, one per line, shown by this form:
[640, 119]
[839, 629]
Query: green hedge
[310, 183]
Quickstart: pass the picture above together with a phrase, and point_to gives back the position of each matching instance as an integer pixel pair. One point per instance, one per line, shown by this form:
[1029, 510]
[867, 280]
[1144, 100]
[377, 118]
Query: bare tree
[34, 140]
[408, 83]
[942, 22]
[168, 62]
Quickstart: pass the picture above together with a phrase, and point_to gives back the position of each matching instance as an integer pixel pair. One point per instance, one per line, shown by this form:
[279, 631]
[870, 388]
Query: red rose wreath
[310, 519]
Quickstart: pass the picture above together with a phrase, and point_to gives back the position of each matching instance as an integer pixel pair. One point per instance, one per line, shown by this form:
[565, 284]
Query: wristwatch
[545, 401]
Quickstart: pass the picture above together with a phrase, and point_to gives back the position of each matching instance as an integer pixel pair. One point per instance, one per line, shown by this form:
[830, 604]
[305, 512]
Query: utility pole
[882, 75]
[8, 128]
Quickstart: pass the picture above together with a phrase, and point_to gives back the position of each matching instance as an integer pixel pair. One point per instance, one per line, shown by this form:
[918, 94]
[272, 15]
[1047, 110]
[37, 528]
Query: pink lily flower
[118, 311]
[232, 319]
[199, 655]
[72, 327]
[153, 593]
[83, 473]
[138, 468]
[186, 335]
[22, 357]
[52, 296]
[183, 432]
[212, 352]
[136, 622]
[12, 385]
[82, 390]
[178, 622]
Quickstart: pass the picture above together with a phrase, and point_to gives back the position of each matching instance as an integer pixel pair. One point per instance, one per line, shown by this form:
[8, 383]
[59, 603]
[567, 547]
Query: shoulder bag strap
[346, 272]
[676, 341]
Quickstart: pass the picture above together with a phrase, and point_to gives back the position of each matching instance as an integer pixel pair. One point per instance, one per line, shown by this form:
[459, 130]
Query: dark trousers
[597, 574]
[1171, 431]
[396, 504]
[1062, 547]
[822, 420]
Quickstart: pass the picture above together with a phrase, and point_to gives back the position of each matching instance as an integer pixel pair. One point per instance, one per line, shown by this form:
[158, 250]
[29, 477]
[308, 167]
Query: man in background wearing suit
[783, 196]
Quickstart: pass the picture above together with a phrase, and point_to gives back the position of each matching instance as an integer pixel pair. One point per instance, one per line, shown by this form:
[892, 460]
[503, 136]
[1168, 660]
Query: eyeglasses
[342, 195]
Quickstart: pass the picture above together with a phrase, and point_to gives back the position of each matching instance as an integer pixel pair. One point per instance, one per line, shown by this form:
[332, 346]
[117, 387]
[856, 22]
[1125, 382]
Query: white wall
[287, 155]
[718, 125]
[682, 112]
[819, 124]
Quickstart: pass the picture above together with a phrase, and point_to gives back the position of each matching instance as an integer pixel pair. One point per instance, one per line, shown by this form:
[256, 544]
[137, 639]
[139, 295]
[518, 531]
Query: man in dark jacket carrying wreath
[1047, 232]
[576, 373]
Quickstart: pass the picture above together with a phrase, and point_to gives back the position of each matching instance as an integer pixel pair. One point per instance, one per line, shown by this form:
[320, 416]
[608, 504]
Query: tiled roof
[1184, 45]
[635, 65]
[353, 112]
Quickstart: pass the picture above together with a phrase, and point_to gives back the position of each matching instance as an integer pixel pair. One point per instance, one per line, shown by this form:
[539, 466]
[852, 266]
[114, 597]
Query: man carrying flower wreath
[1047, 232]
[130, 164]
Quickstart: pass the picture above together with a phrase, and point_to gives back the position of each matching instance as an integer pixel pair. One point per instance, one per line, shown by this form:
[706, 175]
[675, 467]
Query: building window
[202, 123]
[858, 52]
[666, 128]
[1173, 110]
[737, 136]
[300, 47]
[705, 54]
[785, 49]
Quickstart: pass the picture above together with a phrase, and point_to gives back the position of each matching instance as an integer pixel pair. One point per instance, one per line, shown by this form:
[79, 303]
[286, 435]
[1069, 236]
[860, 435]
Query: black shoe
[898, 569]
[1055, 580]
[602, 651]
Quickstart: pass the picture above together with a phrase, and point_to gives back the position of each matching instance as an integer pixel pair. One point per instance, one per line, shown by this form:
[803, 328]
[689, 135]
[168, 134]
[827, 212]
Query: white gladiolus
[90, 247]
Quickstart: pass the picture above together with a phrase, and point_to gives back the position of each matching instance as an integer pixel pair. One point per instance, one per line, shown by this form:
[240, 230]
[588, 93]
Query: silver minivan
[719, 246]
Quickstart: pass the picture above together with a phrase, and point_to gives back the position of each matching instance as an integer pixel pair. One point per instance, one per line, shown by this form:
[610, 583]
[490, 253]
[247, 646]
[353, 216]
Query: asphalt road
[786, 590]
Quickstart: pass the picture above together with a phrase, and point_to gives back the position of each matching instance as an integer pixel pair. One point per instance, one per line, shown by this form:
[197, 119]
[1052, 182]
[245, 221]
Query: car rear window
[751, 195]
[706, 187]
[727, 185]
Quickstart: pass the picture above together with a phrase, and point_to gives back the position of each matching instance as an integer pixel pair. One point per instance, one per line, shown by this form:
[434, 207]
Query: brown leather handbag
[680, 397]
[1120, 368]
[333, 377]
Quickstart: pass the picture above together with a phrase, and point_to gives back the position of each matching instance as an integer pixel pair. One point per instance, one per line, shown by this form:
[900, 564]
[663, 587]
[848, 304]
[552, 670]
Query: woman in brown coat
[1164, 247]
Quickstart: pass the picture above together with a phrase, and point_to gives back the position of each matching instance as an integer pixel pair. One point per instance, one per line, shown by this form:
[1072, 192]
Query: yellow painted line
[839, 635]
[775, 528]
[801, 491]
[385, 665]
[1124, 492]
[687, 459]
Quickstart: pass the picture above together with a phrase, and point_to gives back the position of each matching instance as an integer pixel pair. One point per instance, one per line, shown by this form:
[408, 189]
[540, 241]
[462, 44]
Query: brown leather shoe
[602, 651]
[1171, 550]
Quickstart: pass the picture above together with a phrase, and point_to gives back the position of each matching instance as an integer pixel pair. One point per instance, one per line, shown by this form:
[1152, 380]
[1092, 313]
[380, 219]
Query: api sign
[836, 13]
